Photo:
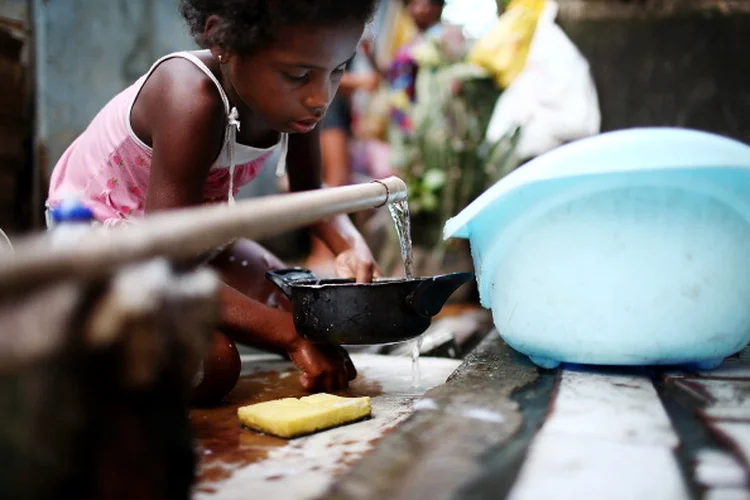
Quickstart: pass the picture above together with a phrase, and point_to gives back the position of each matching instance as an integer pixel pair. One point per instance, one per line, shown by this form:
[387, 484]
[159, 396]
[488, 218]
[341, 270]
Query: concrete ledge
[438, 450]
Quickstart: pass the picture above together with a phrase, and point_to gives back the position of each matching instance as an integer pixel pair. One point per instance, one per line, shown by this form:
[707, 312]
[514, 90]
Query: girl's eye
[295, 78]
[338, 73]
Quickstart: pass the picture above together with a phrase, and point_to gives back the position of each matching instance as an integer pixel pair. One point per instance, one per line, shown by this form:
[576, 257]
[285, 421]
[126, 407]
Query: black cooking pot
[341, 311]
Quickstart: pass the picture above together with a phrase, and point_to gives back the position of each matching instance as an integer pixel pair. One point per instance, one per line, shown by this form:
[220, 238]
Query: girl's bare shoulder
[178, 92]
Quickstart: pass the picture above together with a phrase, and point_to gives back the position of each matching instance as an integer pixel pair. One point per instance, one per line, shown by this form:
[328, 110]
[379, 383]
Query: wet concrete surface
[502, 428]
[235, 460]
[224, 445]
[440, 448]
[501, 464]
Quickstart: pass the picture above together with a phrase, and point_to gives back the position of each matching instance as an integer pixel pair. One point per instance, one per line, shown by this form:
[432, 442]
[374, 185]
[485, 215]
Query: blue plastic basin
[628, 248]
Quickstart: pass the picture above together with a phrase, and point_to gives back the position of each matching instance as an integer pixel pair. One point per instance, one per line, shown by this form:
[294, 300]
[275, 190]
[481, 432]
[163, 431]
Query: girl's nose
[317, 100]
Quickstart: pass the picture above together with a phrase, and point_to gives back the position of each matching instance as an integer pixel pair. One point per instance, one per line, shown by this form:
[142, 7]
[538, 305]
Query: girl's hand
[358, 263]
[324, 367]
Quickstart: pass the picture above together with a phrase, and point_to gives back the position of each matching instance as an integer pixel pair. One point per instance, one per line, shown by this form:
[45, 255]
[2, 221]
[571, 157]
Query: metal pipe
[185, 233]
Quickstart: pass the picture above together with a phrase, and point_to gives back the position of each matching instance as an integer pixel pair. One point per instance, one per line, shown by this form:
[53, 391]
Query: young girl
[199, 125]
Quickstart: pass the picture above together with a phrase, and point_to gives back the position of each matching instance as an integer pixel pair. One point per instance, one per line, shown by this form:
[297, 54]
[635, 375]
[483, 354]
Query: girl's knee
[243, 266]
[219, 371]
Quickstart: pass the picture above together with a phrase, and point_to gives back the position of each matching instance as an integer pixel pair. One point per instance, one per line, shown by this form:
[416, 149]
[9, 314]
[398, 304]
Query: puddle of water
[224, 446]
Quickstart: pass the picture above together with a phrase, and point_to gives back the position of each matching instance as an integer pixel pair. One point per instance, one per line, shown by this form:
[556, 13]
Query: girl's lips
[303, 126]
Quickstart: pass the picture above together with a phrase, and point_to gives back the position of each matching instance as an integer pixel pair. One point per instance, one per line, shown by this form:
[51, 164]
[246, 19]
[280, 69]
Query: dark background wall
[683, 66]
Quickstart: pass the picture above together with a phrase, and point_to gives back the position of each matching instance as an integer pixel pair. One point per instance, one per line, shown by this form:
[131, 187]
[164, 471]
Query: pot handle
[431, 295]
[285, 279]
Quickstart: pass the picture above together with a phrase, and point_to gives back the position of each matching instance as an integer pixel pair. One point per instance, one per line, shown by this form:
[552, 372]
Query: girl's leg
[242, 266]
[219, 371]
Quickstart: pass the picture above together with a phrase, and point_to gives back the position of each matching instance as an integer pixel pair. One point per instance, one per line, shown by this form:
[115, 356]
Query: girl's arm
[180, 112]
[186, 132]
[354, 259]
[183, 120]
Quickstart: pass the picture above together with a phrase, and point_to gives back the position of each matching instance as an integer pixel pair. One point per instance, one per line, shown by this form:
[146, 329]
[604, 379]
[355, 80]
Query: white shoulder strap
[284, 148]
[198, 63]
[233, 121]
[233, 126]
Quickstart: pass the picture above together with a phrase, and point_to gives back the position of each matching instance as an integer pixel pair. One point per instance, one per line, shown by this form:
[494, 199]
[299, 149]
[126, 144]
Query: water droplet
[416, 374]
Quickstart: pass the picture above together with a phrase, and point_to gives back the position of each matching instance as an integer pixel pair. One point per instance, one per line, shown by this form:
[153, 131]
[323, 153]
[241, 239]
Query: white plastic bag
[553, 99]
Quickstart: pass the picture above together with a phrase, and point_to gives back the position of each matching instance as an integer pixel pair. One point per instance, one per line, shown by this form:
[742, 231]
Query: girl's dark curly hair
[249, 25]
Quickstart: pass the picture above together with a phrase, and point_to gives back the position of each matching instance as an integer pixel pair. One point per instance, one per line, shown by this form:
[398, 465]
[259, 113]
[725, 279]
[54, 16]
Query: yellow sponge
[291, 417]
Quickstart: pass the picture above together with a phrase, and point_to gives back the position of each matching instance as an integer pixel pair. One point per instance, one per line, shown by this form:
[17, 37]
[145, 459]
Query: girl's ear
[220, 55]
[210, 32]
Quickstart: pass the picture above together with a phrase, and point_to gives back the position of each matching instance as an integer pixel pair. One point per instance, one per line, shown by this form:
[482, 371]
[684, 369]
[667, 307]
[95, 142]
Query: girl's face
[290, 84]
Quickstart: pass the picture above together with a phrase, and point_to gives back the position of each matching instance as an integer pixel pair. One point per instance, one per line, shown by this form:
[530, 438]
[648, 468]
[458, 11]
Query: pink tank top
[107, 167]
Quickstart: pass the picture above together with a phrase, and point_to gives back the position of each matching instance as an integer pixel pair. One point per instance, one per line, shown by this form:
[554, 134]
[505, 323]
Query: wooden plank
[13, 107]
[572, 467]
[12, 91]
[94, 385]
[7, 183]
[11, 25]
[610, 407]
[11, 143]
[11, 70]
[10, 46]
[7, 216]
